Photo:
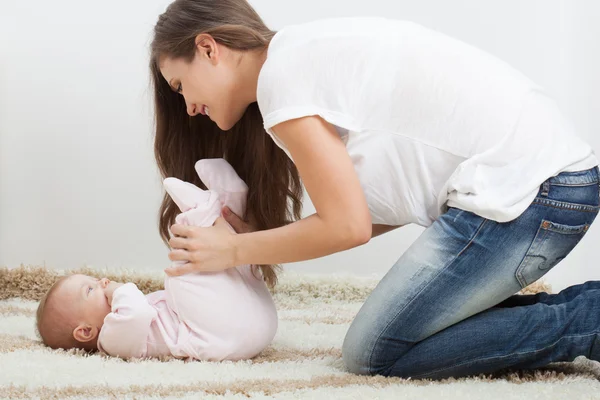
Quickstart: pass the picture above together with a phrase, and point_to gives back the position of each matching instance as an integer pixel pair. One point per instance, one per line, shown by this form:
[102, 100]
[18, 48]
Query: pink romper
[213, 316]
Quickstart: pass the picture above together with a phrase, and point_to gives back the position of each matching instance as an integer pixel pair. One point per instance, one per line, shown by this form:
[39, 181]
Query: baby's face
[86, 299]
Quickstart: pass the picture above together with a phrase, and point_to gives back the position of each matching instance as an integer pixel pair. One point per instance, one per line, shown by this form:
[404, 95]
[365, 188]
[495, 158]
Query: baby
[213, 316]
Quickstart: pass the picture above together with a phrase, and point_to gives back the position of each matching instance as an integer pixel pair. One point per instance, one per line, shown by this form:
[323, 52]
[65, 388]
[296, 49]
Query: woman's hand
[238, 224]
[207, 249]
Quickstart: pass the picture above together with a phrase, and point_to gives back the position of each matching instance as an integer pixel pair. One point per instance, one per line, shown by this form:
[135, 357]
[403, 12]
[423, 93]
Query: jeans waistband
[577, 177]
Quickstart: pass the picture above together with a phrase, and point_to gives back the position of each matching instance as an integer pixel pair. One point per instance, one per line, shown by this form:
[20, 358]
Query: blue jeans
[448, 307]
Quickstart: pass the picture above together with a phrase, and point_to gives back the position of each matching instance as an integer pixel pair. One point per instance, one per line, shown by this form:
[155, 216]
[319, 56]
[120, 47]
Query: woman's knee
[361, 351]
[355, 352]
[369, 350]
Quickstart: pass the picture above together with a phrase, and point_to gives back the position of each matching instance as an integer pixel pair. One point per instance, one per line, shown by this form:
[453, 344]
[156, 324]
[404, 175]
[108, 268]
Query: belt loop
[545, 188]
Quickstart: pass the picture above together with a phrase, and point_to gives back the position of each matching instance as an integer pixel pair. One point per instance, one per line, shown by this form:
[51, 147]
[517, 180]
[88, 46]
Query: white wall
[77, 177]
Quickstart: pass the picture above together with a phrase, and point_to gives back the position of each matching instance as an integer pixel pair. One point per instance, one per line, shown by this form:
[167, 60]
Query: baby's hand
[110, 289]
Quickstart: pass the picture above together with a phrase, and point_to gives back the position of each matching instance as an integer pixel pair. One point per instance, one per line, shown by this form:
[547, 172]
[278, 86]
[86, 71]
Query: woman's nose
[192, 110]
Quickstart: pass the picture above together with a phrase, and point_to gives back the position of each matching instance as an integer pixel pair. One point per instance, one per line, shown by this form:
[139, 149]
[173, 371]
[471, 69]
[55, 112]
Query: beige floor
[304, 360]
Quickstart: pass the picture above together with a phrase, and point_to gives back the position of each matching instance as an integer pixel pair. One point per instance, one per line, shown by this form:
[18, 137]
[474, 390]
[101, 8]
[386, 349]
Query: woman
[387, 123]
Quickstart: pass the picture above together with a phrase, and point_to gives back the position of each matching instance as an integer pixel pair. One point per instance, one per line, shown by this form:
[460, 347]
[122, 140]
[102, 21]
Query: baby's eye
[89, 289]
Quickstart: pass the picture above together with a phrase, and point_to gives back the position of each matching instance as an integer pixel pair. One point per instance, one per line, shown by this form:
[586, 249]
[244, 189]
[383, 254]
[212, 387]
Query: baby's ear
[218, 175]
[184, 194]
[85, 333]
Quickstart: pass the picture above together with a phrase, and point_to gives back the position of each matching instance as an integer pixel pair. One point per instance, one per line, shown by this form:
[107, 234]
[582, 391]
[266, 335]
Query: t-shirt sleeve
[296, 83]
[126, 328]
[279, 95]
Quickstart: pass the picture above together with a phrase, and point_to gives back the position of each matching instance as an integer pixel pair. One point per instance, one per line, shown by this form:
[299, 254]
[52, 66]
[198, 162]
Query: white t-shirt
[429, 121]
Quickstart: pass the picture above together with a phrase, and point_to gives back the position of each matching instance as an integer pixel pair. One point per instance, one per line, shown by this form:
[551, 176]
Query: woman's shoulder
[335, 27]
[304, 44]
[323, 60]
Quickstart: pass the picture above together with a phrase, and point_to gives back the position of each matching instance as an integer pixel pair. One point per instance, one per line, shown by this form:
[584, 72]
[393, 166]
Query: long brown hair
[181, 140]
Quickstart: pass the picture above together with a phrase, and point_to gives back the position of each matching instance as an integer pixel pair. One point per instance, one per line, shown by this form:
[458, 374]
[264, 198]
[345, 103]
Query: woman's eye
[179, 88]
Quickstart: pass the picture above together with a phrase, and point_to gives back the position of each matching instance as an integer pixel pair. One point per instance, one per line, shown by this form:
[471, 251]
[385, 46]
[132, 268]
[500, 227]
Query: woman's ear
[207, 46]
[85, 333]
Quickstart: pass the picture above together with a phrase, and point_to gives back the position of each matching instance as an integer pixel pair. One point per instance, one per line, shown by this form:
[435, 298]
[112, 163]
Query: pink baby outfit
[227, 315]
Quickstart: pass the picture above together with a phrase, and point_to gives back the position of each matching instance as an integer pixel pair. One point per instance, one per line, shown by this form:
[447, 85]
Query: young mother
[387, 123]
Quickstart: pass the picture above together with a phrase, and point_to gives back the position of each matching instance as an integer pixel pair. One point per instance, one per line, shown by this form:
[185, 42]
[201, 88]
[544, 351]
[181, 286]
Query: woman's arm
[342, 220]
[380, 229]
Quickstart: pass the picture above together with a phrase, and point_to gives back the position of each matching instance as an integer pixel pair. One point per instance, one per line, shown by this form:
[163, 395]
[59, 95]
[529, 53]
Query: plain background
[78, 181]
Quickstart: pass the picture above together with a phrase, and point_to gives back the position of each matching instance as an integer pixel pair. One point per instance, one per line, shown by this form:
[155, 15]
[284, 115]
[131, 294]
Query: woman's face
[209, 83]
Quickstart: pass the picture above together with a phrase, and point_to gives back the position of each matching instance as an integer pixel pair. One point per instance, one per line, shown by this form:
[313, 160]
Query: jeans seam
[563, 205]
[507, 355]
[523, 283]
[583, 184]
[415, 296]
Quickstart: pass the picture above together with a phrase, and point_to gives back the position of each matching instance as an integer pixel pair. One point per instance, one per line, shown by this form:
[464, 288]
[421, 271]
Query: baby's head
[72, 313]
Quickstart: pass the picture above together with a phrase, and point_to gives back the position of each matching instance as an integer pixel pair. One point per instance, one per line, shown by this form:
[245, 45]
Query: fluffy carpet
[303, 362]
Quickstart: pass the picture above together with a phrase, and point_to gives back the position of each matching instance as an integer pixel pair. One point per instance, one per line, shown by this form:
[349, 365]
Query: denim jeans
[448, 307]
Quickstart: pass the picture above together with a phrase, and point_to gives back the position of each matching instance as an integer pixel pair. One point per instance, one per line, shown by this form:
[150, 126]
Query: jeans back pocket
[551, 244]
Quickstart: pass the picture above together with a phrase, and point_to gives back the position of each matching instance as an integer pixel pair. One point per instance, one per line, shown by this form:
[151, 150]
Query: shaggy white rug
[303, 362]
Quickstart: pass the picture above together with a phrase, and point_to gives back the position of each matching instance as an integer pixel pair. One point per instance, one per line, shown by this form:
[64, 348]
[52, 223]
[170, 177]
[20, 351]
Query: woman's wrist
[302, 240]
[235, 245]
